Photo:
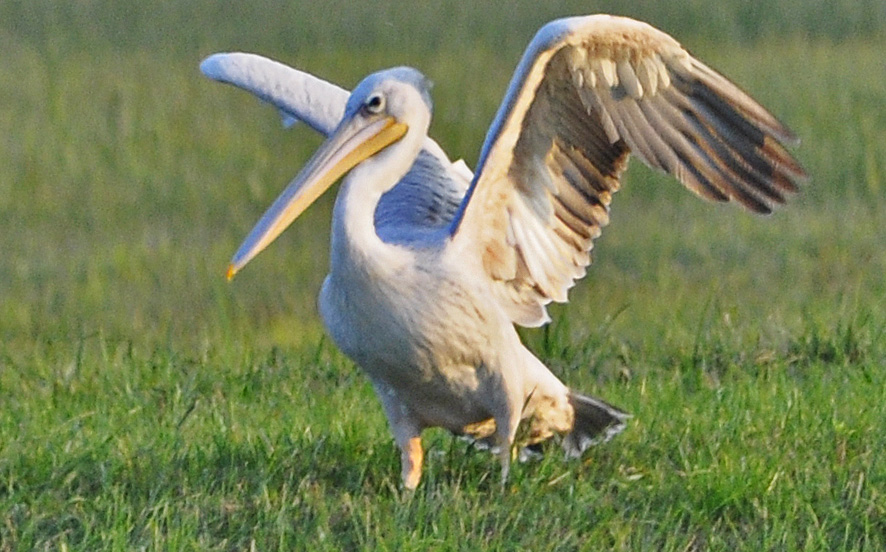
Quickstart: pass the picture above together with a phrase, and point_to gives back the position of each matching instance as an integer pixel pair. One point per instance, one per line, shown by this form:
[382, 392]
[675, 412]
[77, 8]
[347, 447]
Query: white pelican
[432, 266]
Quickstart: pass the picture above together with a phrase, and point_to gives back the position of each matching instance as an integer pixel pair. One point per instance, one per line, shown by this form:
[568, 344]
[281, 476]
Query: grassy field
[146, 404]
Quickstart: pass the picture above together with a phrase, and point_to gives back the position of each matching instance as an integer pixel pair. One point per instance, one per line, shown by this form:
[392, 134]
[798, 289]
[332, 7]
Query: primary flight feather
[431, 266]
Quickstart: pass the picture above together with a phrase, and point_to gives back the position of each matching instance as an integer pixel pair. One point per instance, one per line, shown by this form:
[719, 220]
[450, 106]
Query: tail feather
[595, 422]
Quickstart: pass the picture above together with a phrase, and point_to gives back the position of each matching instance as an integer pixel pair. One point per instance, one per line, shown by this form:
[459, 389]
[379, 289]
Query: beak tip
[232, 270]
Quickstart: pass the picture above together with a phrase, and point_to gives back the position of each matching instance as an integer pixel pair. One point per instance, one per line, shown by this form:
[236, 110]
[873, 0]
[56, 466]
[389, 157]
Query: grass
[147, 404]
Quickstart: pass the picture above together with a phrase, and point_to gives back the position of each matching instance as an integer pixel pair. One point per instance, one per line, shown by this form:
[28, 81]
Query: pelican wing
[423, 202]
[589, 91]
[298, 96]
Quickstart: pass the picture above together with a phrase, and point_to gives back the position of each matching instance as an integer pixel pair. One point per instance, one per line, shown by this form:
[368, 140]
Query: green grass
[145, 403]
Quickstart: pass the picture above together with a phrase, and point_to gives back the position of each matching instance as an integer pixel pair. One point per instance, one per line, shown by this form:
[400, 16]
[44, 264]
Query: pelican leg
[407, 434]
[411, 456]
[504, 456]
[505, 434]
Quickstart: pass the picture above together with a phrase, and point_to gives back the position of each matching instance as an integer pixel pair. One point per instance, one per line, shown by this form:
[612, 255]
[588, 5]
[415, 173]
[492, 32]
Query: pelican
[432, 266]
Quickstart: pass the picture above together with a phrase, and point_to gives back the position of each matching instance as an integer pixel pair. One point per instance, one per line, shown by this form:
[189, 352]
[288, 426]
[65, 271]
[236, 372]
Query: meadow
[148, 404]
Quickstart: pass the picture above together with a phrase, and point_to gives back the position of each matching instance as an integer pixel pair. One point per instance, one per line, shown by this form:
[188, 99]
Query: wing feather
[297, 95]
[589, 91]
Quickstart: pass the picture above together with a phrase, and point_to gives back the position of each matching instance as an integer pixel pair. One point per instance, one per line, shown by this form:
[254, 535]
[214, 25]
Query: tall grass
[147, 404]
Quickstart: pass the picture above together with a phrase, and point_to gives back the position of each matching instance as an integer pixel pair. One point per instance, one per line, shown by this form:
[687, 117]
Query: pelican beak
[353, 141]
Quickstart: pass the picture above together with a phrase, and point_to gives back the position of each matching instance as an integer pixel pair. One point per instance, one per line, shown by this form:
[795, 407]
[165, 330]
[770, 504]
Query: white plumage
[431, 266]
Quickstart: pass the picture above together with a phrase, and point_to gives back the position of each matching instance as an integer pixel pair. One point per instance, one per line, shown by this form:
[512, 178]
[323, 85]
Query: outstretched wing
[427, 197]
[299, 96]
[589, 91]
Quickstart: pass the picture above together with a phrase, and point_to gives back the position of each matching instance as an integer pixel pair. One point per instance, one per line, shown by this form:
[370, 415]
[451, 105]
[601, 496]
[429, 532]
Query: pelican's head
[386, 108]
[402, 92]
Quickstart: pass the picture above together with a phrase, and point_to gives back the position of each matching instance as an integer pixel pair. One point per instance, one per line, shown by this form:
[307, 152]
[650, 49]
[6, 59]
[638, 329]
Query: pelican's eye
[374, 104]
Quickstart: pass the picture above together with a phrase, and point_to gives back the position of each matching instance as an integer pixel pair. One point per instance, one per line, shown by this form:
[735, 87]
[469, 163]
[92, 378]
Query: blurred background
[127, 179]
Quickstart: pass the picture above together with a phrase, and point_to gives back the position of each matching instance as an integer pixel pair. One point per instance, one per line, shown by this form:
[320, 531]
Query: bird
[433, 266]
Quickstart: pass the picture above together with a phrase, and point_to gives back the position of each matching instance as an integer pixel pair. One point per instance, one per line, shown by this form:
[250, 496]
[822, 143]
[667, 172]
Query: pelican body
[431, 265]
